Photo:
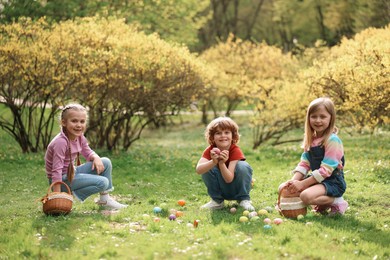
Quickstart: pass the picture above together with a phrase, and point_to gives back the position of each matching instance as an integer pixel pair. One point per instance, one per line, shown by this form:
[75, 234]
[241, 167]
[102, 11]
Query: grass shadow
[366, 230]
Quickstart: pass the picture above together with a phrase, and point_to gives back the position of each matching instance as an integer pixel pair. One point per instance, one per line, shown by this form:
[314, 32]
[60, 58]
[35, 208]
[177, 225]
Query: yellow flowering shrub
[126, 78]
[356, 75]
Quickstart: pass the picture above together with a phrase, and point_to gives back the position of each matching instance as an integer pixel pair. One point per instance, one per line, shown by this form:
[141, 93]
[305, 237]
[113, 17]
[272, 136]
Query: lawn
[159, 170]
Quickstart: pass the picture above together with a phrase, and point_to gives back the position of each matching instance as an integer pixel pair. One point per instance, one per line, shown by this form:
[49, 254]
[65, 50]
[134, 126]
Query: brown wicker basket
[57, 203]
[291, 207]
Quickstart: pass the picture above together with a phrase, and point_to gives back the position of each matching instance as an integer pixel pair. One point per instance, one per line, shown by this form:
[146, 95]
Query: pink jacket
[57, 156]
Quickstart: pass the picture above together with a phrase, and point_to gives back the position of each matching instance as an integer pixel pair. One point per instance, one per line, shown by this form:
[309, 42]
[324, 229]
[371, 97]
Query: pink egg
[233, 210]
[216, 150]
[278, 221]
[267, 221]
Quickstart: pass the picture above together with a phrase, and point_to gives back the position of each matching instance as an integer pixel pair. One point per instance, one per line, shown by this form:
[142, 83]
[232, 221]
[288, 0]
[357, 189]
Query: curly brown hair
[220, 124]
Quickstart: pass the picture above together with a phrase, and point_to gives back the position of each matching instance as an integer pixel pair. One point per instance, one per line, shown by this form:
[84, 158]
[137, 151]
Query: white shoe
[213, 205]
[111, 204]
[247, 205]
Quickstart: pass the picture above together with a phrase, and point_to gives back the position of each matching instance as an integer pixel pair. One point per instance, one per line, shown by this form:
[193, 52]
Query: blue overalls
[335, 185]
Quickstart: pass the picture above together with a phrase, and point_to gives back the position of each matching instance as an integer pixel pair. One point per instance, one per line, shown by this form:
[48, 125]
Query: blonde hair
[310, 134]
[220, 124]
[72, 106]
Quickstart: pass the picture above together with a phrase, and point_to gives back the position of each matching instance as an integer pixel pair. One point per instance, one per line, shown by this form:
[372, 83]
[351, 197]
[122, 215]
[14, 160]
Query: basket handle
[59, 182]
[280, 193]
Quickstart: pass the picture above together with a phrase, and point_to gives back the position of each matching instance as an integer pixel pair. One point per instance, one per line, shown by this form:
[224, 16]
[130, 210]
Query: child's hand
[214, 154]
[224, 156]
[295, 186]
[98, 165]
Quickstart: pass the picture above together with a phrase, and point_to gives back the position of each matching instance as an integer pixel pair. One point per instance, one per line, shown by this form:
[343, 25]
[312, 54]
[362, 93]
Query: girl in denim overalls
[324, 156]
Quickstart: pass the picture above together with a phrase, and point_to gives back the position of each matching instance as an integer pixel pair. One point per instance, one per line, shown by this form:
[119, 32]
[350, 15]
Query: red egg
[196, 222]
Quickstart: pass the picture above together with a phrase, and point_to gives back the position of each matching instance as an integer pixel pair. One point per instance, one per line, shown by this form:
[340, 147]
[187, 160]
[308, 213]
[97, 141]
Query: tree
[127, 79]
[356, 75]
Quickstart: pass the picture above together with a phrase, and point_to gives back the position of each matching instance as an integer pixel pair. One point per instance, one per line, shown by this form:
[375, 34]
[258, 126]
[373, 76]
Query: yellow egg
[244, 219]
[262, 212]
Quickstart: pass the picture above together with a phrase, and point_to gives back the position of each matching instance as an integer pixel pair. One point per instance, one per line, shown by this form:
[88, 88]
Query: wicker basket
[291, 207]
[57, 203]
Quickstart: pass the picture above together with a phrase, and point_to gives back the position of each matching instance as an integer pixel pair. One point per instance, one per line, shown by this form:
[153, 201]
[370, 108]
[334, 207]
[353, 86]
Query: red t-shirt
[235, 153]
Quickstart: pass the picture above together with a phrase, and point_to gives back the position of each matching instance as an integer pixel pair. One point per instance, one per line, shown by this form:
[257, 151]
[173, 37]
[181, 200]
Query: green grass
[159, 170]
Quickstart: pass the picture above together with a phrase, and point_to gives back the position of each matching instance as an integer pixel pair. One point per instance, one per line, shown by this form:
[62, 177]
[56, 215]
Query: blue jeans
[87, 182]
[238, 189]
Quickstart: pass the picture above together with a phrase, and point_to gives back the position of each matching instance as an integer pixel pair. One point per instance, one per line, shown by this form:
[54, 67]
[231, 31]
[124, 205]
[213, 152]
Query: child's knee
[243, 167]
[102, 184]
[306, 197]
[106, 162]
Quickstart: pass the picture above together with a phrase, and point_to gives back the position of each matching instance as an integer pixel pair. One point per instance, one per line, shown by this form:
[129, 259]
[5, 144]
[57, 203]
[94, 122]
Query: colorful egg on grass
[233, 210]
[300, 217]
[278, 221]
[181, 202]
[156, 219]
[252, 214]
[267, 221]
[157, 210]
[190, 225]
[245, 213]
[196, 222]
[179, 213]
[243, 219]
[172, 217]
[267, 227]
[262, 212]
[254, 218]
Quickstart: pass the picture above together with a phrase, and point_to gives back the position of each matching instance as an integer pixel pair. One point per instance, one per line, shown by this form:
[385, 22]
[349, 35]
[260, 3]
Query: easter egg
[245, 213]
[196, 222]
[278, 221]
[266, 227]
[172, 211]
[233, 210]
[157, 210]
[163, 205]
[172, 217]
[252, 214]
[190, 225]
[156, 219]
[181, 202]
[216, 150]
[179, 213]
[267, 221]
[262, 212]
[300, 217]
[243, 219]
[254, 218]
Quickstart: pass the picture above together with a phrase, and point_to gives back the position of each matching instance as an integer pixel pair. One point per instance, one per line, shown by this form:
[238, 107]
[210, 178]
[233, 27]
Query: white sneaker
[213, 205]
[111, 204]
[247, 205]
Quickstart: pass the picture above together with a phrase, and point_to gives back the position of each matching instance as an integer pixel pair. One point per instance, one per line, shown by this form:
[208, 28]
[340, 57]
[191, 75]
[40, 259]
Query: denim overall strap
[316, 155]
